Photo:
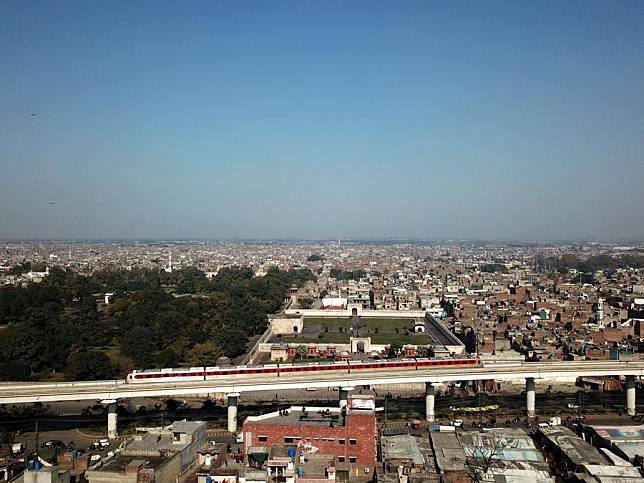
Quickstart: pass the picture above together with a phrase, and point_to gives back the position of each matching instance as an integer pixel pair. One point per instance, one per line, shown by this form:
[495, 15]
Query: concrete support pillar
[232, 411]
[344, 395]
[630, 395]
[530, 397]
[429, 402]
[112, 419]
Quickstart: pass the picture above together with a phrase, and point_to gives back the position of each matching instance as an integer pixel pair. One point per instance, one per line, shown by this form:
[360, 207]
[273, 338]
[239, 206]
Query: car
[104, 443]
[543, 425]
[572, 406]
[457, 423]
[53, 443]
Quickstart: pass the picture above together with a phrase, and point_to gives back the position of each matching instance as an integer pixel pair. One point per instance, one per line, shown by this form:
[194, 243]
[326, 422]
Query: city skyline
[309, 121]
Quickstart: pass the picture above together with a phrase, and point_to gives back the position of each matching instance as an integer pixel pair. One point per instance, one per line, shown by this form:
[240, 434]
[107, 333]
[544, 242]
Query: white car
[543, 425]
[572, 406]
[457, 423]
[104, 443]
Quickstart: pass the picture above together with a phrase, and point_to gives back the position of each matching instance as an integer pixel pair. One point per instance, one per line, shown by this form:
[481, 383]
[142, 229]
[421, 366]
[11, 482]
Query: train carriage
[215, 373]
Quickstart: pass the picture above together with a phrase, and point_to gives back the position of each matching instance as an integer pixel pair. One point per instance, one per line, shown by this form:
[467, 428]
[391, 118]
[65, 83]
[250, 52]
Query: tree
[494, 267]
[89, 365]
[171, 405]
[208, 405]
[470, 340]
[205, 354]
[484, 458]
[168, 358]
[424, 351]
[305, 302]
[394, 350]
[314, 258]
[301, 351]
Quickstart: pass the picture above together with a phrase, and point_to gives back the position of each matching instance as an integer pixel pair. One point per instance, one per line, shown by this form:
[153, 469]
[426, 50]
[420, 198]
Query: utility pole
[37, 445]
[480, 412]
[385, 410]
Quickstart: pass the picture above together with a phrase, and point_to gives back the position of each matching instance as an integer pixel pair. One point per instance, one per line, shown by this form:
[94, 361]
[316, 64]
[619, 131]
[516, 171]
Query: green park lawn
[381, 331]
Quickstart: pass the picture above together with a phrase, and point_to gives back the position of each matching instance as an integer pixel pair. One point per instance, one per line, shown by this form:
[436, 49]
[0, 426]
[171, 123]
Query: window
[352, 459]
[340, 459]
[353, 442]
[341, 440]
[262, 439]
[291, 439]
[330, 440]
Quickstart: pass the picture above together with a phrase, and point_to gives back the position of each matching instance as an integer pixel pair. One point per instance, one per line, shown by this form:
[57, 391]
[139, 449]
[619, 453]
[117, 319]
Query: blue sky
[303, 119]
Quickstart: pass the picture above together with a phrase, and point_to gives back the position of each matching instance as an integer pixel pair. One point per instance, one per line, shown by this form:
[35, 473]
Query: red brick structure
[351, 436]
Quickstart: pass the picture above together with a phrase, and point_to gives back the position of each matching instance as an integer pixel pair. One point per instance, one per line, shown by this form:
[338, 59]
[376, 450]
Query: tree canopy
[347, 275]
[155, 319]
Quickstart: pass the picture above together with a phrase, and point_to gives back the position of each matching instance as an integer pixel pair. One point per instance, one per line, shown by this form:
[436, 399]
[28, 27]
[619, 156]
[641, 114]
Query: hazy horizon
[495, 121]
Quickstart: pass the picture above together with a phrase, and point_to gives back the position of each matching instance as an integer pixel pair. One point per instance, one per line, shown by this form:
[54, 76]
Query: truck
[555, 421]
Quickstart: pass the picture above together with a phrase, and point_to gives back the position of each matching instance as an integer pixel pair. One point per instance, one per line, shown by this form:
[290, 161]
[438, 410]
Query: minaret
[339, 242]
[600, 312]
[170, 263]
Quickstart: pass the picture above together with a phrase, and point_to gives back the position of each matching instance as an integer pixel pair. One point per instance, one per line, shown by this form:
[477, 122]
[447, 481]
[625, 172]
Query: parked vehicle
[53, 443]
[458, 423]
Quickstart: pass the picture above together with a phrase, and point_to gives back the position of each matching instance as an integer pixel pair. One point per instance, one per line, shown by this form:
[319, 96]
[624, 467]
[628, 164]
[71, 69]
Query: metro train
[212, 373]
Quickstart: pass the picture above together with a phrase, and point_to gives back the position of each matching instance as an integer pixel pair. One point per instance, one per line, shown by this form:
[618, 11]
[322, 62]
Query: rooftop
[576, 449]
[119, 463]
[301, 416]
[402, 447]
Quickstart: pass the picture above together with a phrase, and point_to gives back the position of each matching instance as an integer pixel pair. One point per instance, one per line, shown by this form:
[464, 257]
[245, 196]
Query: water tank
[291, 452]
[208, 479]
[37, 465]
[300, 472]
[30, 465]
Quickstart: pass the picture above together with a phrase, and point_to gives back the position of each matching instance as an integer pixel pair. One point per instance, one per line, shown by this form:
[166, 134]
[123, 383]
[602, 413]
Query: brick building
[348, 435]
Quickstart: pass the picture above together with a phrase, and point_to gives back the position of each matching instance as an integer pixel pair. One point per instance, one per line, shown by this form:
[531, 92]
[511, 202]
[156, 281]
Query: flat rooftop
[120, 462]
[310, 417]
[576, 449]
[402, 447]
[315, 465]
